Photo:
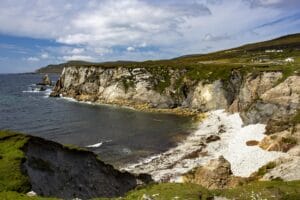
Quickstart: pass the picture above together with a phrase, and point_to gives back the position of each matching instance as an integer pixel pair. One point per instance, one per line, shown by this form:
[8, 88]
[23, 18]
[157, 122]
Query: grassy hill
[263, 56]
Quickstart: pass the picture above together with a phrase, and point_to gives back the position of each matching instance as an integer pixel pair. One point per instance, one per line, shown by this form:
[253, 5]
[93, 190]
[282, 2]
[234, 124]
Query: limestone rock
[287, 169]
[257, 96]
[253, 87]
[46, 80]
[215, 175]
[279, 102]
[282, 141]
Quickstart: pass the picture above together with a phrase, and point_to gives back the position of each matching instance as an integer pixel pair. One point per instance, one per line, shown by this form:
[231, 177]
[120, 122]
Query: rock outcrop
[46, 81]
[216, 174]
[59, 171]
[279, 102]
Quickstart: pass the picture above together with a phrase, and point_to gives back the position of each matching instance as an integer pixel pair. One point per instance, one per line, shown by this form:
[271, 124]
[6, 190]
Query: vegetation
[14, 184]
[18, 196]
[11, 176]
[263, 56]
[269, 190]
[263, 170]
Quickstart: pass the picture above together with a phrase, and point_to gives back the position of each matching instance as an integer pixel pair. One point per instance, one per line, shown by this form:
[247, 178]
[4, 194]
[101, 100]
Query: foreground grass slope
[11, 157]
[269, 190]
[14, 184]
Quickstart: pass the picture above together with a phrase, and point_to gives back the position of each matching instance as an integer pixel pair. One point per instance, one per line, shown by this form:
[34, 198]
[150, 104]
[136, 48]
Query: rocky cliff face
[59, 171]
[258, 96]
[158, 88]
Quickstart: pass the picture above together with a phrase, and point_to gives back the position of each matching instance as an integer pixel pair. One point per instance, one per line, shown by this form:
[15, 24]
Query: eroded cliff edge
[53, 170]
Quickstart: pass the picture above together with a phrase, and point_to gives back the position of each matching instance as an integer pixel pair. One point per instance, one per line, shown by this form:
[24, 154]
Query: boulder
[216, 174]
[282, 141]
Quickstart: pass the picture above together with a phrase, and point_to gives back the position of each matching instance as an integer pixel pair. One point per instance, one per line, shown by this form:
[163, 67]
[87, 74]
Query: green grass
[170, 191]
[11, 177]
[269, 190]
[74, 147]
[17, 196]
[258, 190]
[217, 65]
[264, 169]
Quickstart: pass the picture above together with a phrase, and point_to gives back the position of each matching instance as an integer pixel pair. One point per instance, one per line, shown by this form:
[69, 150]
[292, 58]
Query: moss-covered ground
[11, 157]
[269, 190]
[13, 182]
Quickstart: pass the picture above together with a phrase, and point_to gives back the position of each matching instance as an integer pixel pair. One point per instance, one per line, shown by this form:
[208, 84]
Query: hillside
[268, 55]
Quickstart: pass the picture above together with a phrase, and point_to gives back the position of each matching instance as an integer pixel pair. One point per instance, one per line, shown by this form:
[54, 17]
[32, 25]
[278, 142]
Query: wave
[98, 144]
[96, 103]
[46, 92]
[95, 145]
[195, 151]
[31, 91]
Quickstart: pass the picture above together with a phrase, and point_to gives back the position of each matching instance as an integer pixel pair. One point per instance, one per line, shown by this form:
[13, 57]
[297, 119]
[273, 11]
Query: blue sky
[35, 33]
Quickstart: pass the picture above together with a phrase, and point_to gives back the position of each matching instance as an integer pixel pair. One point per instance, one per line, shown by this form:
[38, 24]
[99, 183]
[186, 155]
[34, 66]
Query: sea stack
[46, 80]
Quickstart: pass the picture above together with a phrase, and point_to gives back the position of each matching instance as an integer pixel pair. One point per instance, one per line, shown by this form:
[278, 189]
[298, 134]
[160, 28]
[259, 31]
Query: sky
[35, 33]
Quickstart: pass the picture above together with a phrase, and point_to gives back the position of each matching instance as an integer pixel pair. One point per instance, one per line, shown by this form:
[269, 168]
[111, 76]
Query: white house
[290, 60]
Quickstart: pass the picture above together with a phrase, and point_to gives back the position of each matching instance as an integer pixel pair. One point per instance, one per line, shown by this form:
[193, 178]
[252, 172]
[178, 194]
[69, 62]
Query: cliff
[259, 80]
[51, 169]
[258, 96]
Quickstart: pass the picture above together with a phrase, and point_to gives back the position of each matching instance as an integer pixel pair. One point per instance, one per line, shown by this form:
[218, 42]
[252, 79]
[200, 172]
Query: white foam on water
[98, 144]
[95, 145]
[95, 103]
[31, 91]
[170, 165]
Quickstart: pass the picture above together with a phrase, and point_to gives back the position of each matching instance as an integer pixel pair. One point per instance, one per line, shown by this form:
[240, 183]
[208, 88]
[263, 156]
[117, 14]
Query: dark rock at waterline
[42, 89]
[58, 86]
[58, 171]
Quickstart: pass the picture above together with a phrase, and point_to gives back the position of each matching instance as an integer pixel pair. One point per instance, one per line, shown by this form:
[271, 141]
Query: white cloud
[45, 55]
[130, 48]
[33, 59]
[77, 51]
[96, 29]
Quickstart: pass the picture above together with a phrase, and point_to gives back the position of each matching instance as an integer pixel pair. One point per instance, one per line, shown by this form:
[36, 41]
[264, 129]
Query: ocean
[118, 135]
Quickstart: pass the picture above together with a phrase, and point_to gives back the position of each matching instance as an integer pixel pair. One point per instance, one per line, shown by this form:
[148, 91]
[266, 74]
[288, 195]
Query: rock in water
[46, 80]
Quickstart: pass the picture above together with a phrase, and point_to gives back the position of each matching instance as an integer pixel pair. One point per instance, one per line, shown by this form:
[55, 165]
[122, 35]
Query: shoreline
[141, 107]
[196, 151]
